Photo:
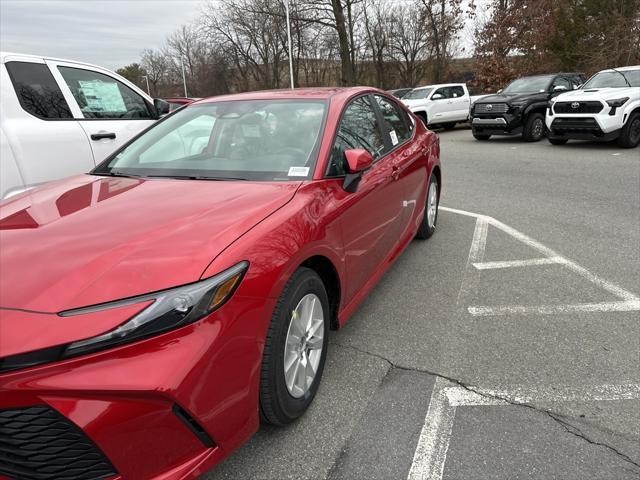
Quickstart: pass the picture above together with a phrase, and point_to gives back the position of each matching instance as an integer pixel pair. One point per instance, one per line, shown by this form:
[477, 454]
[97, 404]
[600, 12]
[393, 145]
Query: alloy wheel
[303, 346]
[432, 204]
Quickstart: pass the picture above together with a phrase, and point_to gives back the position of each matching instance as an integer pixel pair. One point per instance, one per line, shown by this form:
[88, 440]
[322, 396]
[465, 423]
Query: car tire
[479, 136]
[423, 116]
[428, 225]
[630, 134]
[449, 126]
[286, 396]
[557, 141]
[534, 128]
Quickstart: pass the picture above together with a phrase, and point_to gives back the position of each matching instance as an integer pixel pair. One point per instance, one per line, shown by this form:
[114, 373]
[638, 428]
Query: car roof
[622, 69]
[11, 55]
[438, 85]
[313, 93]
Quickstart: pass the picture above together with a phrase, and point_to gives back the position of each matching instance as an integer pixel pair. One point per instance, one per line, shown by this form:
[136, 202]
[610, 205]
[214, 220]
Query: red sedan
[156, 310]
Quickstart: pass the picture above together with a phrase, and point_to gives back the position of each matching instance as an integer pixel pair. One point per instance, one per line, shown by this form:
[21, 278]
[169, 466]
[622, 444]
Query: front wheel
[295, 349]
[428, 225]
[534, 128]
[630, 134]
[557, 141]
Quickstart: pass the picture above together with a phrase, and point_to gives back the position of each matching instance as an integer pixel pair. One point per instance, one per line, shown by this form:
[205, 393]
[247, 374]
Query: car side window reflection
[396, 121]
[358, 129]
[444, 91]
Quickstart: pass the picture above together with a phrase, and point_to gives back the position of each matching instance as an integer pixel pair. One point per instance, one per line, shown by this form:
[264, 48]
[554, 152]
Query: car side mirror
[437, 96]
[162, 107]
[559, 88]
[499, 92]
[358, 160]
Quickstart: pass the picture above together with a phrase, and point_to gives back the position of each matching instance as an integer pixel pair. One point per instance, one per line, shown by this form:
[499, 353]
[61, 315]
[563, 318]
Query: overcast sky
[107, 33]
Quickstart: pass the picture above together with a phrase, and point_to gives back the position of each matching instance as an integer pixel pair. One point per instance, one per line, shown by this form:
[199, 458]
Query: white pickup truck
[61, 118]
[606, 107]
[441, 105]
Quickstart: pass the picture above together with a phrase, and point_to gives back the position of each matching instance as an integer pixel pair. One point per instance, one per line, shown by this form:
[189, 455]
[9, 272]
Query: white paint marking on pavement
[485, 311]
[458, 396]
[431, 451]
[469, 285]
[519, 263]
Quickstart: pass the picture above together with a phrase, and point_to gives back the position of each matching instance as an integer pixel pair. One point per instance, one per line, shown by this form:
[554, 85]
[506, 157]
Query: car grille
[580, 125]
[38, 443]
[491, 108]
[577, 107]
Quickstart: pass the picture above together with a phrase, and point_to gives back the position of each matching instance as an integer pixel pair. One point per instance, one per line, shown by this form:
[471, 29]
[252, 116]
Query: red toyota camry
[154, 311]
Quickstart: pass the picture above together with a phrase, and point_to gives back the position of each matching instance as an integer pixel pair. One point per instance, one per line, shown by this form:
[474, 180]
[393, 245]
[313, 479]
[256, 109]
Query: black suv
[520, 107]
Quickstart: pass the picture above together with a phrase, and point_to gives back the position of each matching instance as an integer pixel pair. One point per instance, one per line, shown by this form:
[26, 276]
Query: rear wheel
[630, 134]
[295, 349]
[428, 225]
[423, 117]
[557, 141]
[479, 136]
[534, 128]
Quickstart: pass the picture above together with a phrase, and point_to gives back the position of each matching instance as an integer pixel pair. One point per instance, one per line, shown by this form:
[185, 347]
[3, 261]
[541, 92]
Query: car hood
[510, 98]
[598, 94]
[419, 102]
[89, 239]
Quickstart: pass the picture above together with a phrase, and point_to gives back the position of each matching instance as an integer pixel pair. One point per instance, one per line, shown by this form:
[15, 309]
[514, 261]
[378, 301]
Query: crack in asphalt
[560, 419]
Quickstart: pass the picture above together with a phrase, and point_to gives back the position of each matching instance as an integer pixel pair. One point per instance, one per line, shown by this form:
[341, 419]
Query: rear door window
[37, 90]
[103, 97]
[457, 92]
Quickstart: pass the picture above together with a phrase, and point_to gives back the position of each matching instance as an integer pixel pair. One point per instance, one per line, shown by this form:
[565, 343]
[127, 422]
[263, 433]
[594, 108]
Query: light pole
[147, 79]
[286, 9]
[184, 79]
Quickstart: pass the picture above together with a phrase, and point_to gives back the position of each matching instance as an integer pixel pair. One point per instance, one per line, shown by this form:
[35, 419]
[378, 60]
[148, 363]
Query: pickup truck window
[561, 82]
[396, 121]
[37, 90]
[100, 96]
[457, 92]
[444, 91]
[614, 79]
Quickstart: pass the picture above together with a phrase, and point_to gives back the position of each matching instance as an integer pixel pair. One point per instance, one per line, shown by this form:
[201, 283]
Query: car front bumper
[168, 407]
[600, 126]
[501, 124]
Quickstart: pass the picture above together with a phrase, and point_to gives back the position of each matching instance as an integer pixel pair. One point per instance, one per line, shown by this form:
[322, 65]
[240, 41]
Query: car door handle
[101, 135]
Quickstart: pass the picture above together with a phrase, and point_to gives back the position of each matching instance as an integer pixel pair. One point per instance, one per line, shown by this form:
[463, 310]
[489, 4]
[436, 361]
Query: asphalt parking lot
[505, 347]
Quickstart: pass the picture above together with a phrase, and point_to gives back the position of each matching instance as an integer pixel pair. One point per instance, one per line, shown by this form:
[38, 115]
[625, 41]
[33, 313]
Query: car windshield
[528, 85]
[418, 94]
[262, 140]
[614, 79]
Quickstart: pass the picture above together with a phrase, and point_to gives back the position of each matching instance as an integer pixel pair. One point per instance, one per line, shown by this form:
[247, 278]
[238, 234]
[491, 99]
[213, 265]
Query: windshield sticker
[394, 137]
[298, 171]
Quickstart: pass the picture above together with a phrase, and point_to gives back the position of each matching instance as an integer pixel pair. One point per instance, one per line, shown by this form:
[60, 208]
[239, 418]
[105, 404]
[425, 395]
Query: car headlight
[516, 107]
[618, 102]
[169, 309]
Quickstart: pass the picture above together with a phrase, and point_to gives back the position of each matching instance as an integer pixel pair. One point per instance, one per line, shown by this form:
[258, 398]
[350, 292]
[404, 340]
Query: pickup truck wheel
[478, 136]
[423, 117]
[630, 134]
[428, 225]
[534, 128]
[557, 141]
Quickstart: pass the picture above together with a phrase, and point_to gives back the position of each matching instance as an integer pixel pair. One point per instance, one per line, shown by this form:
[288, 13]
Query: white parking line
[469, 286]
[431, 452]
[518, 263]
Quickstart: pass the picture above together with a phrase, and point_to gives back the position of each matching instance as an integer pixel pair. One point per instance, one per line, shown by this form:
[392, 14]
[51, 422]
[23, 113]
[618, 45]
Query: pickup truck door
[459, 103]
[441, 110]
[109, 111]
[38, 129]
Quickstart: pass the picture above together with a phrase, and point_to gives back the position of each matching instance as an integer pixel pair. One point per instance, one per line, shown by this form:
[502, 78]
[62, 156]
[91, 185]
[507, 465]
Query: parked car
[177, 102]
[440, 105]
[607, 107]
[520, 108]
[400, 92]
[186, 287]
[61, 117]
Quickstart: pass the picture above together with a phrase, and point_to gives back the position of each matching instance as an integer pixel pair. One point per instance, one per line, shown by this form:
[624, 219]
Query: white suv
[606, 107]
[61, 118]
